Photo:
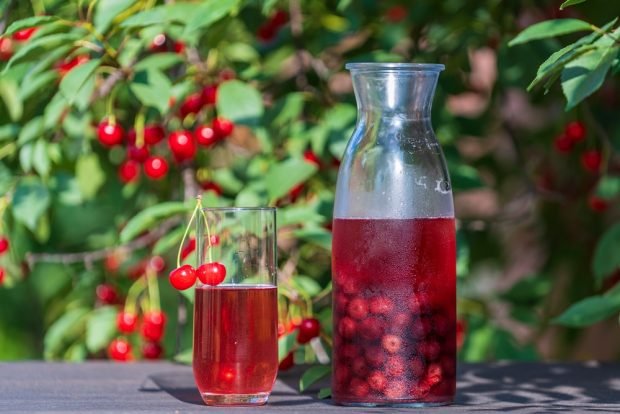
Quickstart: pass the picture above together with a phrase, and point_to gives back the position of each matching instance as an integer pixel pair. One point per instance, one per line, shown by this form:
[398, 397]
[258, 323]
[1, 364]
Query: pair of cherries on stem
[185, 276]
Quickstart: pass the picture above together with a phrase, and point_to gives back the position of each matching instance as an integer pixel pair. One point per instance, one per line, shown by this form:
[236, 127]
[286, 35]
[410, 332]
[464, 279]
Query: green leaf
[25, 157]
[316, 235]
[12, 100]
[153, 89]
[184, 357]
[282, 177]
[550, 28]
[312, 375]
[30, 201]
[38, 84]
[31, 131]
[208, 13]
[161, 15]
[325, 392]
[307, 285]
[569, 3]
[54, 110]
[100, 328]
[64, 331]
[107, 10]
[589, 311]
[583, 76]
[89, 175]
[241, 52]
[606, 258]
[158, 61]
[557, 60]
[169, 241]
[529, 290]
[608, 187]
[28, 22]
[148, 217]
[286, 344]
[40, 159]
[47, 281]
[239, 102]
[6, 179]
[78, 78]
[9, 132]
[463, 176]
[39, 46]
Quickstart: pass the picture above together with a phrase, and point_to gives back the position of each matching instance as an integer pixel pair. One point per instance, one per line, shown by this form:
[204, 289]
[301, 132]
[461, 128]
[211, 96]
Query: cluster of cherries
[4, 247]
[211, 273]
[307, 329]
[591, 160]
[151, 327]
[269, 29]
[385, 353]
[6, 43]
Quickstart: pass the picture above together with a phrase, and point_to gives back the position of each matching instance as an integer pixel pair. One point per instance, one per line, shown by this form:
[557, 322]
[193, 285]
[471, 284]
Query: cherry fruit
[110, 133]
[209, 95]
[188, 248]
[153, 134]
[119, 350]
[106, 293]
[597, 204]
[182, 145]
[4, 245]
[308, 328]
[183, 277]
[155, 167]
[563, 144]
[6, 48]
[575, 131]
[287, 363]
[191, 105]
[24, 34]
[212, 273]
[126, 321]
[138, 154]
[153, 325]
[591, 161]
[312, 158]
[223, 127]
[205, 135]
[128, 171]
[152, 350]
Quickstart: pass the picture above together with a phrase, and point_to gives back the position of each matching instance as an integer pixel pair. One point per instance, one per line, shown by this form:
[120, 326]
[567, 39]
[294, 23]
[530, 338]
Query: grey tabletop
[166, 387]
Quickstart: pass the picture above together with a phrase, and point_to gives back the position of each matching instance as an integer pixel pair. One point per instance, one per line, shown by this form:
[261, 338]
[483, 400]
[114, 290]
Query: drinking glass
[235, 357]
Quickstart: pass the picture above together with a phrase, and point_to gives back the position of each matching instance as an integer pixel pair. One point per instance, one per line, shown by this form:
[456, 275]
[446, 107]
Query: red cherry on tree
[223, 127]
[212, 273]
[266, 32]
[153, 133]
[205, 135]
[106, 293]
[212, 186]
[226, 74]
[1, 275]
[152, 350]
[591, 161]
[65, 66]
[191, 105]
[209, 94]
[153, 325]
[24, 34]
[396, 14]
[575, 131]
[6, 48]
[128, 171]
[119, 350]
[563, 144]
[308, 328]
[178, 47]
[183, 277]
[295, 192]
[4, 245]
[158, 44]
[188, 248]
[597, 204]
[126, 321]
[110, 133]
[312, 158]
[139, 154]
[182, 145]
[287, 363]
[157, 263]
[279, 18]
[155, 167]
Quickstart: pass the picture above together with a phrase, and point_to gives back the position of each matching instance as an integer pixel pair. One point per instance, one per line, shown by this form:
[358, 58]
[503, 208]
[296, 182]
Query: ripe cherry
[377, 381]
[4, 245]
[359, 387]
[191, 105]
[347, 327]
[188, 248]
[106, 293]
[110, 134]
[312, 158]
[563, 144]
[212, 186]
[266, 32]
[396, 14]
[226, 74]
[287, 363]
[308, 328]
[119, 350]
[153, 133]
[575, 131]
[65, 66]
[209, 94]
[128, 171]
[381, 305]
[24, 34]
[153, 325]
[157, 263]
[591, 161]
[158, 44]
[6, 48]
[391, 343]
[279, 18]
[126, 321]
[155, 167]
[152, 350]
[296, 191]
[205, 135]
[138, 154]
[223, 127]
[178, 47]
[597, 204]
[212, 273]
[358, 308]
[1, 275]
[183, 277]
[214, 240]
[182, 145]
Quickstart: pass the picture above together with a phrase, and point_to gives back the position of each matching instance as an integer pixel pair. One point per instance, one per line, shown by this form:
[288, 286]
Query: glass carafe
[394, 249]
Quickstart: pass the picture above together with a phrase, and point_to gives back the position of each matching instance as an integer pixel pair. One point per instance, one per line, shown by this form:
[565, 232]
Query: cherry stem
[191, 219]
[131, 303]
[151, 279]
[109, 108]
[209, 245]
[139, 126]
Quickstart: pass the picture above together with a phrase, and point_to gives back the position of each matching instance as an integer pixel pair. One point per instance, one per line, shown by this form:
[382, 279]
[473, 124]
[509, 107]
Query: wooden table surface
[166, 387]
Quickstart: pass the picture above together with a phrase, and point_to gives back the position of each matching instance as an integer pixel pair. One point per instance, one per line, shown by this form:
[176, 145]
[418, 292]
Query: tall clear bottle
[394, 249]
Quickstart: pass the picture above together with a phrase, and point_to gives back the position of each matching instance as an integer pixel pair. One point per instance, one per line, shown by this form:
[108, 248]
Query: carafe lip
[394, 67]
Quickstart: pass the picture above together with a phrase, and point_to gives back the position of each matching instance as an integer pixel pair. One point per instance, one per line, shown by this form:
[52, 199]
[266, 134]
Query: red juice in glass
[394, 303]
[235, 342]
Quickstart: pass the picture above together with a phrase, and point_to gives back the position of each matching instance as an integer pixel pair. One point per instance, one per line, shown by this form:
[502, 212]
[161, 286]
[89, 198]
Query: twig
[108, 84]
[95, 255]
[297, 30]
